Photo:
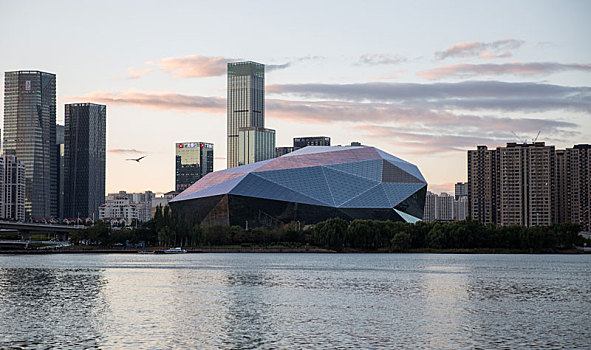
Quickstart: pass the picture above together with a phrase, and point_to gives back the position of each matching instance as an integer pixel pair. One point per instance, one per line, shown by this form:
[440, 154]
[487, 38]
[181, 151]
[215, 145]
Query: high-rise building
[579, 185]
[482, 184]
[12, 188]
[461, 208]
[525, 184]
[246, 103]
[59, 148]
[301, 142]
[84, 159]
[461, 189]
[445, 207]
[255, 145]
[29, 134]
[561, 199]
[512, 185]
[430, 212]
[193, 160]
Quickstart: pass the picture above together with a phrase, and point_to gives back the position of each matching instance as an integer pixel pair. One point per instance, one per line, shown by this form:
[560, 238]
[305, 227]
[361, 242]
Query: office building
[301, 142]
[246, 103]
[281, 151]
[12, 188]
[308, 185]
[255, 145]
[192, 161]
[84, 159]
[29, 134]
[59, 153]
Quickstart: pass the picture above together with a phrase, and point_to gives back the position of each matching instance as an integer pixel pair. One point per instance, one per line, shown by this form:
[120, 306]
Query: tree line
[167, 229]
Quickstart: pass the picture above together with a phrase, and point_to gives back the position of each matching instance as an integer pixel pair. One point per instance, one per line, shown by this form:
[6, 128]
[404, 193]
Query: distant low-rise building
[162, 201]
[127, 206]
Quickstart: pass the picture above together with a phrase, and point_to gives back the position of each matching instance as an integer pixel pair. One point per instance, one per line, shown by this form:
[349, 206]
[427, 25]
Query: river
[314, 301]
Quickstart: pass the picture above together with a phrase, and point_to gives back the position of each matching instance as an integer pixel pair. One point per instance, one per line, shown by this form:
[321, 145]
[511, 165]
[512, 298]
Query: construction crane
[538, 135]
[518, 138]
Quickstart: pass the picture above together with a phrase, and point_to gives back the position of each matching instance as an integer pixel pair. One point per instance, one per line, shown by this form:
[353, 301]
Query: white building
[445, 207]
[12, 188]
[430, 207]
[127, 206]
[461, 208]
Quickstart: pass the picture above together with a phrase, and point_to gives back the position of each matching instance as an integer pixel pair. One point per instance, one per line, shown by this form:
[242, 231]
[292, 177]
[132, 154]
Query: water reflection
[211, 301]
[42, 306]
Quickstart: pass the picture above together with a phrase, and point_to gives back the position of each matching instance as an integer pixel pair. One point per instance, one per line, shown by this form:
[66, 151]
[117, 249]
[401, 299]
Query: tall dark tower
[29, 134]
[84, 159]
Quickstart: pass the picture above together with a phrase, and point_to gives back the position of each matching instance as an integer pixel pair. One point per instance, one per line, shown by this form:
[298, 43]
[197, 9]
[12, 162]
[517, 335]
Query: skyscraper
[84, 159]
[193, 160]
[29, 134]
[246, 103]
[482, 184]
[59, 148]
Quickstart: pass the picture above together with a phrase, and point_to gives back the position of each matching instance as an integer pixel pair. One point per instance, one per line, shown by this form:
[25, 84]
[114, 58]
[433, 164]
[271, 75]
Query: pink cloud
[517, 68]
[168, 101]
[494, 49]
[137, 73]
[194, 66]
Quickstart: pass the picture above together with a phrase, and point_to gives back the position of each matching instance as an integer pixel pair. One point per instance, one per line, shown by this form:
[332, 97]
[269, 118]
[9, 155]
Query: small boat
[177, 250]
[146, 252]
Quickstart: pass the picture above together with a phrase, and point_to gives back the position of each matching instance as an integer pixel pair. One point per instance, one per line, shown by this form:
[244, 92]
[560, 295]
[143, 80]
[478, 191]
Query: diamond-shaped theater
[309, 185]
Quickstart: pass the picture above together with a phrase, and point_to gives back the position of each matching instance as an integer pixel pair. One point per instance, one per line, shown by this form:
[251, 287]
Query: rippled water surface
[295, 301]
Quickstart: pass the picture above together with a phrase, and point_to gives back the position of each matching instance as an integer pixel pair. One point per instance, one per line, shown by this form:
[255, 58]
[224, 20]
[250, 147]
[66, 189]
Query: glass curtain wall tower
[246, 103]
[29, 134]
[84, 159]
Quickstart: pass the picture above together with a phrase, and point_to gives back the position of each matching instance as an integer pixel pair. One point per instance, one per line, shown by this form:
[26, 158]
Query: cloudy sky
[423, 80]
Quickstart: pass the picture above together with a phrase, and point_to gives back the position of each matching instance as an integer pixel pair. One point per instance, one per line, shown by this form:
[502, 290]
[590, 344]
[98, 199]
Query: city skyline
[404, 79]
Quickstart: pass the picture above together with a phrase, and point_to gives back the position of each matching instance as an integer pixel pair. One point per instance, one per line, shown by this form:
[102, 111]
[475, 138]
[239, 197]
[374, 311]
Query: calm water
[295, 301]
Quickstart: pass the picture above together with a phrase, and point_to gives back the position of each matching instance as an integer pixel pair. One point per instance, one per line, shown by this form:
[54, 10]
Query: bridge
[30, 227]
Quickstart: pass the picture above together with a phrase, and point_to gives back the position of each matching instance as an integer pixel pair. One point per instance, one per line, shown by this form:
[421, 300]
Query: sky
[422, 80]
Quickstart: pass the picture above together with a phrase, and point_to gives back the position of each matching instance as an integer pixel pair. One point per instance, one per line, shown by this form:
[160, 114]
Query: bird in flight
[137, 159]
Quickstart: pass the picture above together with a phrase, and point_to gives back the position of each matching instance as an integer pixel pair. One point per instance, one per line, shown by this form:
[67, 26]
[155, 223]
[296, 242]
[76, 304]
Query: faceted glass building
[309, 185]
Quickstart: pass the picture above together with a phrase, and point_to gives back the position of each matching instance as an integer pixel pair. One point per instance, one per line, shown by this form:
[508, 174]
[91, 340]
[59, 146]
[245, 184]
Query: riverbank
[235, 249]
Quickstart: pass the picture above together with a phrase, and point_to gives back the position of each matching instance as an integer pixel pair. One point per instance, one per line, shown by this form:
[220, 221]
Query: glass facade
[193, 160]
[246, 103]
[255, 145]
[29, 134]
[308, 185]
[84, 159]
